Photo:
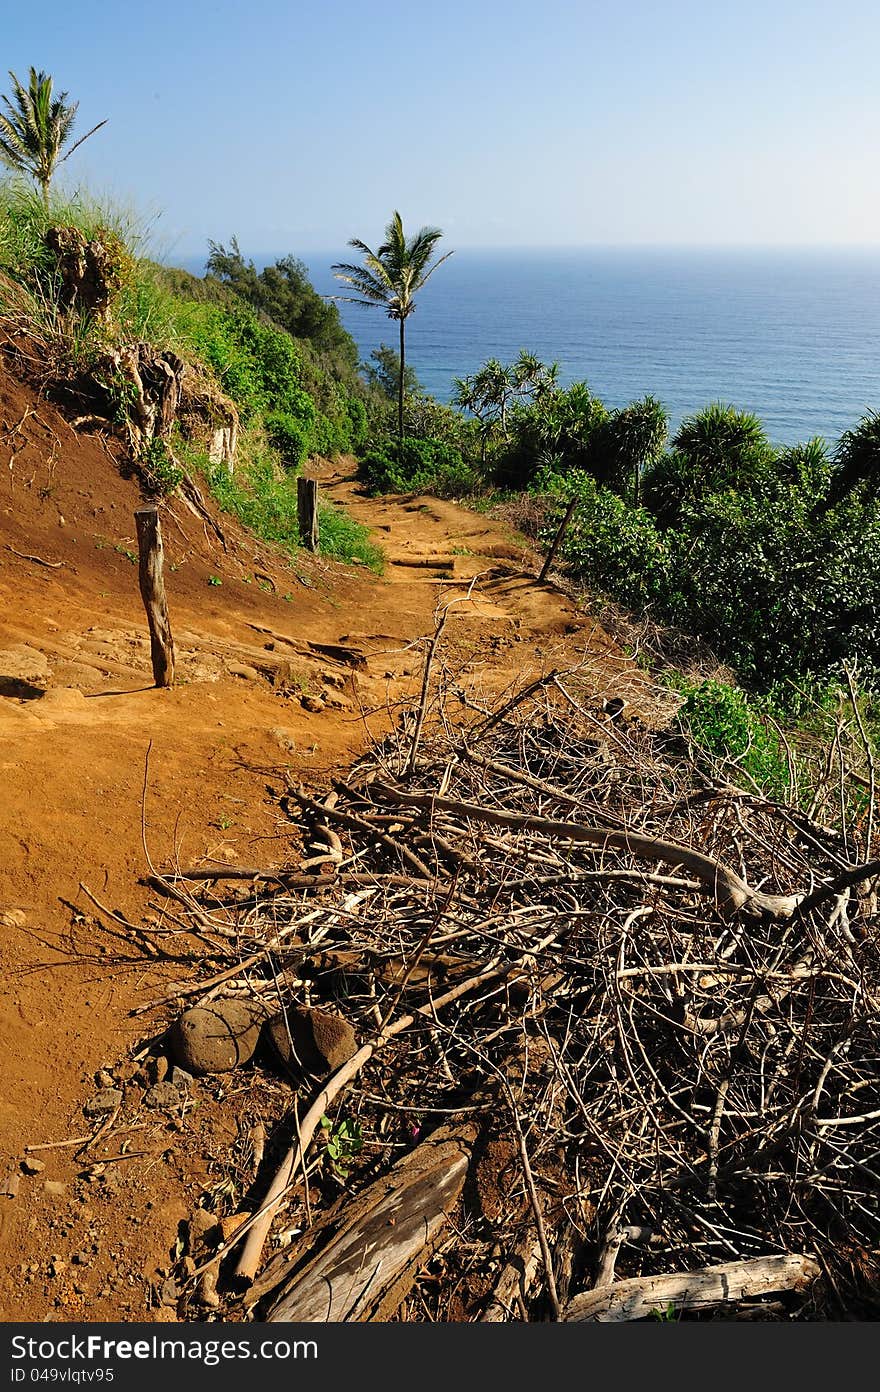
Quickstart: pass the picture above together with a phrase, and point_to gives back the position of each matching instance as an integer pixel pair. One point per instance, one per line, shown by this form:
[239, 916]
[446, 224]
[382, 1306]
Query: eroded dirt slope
[255, 695]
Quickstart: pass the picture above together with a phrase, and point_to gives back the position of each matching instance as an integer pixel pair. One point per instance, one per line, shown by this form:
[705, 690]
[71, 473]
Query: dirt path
[77, 716]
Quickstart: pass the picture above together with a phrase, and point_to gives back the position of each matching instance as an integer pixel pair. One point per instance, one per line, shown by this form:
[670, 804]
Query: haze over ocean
[793, 335]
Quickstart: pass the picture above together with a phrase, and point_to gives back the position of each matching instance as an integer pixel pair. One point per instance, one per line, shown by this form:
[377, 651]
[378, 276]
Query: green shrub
[292, 435]
[422, 466]
[616, 548]
[727, 725]
[716, 449]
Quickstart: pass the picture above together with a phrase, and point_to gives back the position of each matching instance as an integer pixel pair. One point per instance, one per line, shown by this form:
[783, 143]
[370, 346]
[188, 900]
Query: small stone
[9, 1186]
[13, 918]
[181, 1079]
[313, 704]
[162, 1096]
[80, 1258]
[216, 1038]
[321, 1042]
[56, 1266]
[242, 670]
[203, 1227]
[55, 1188]
[169, 1294]
[232, 1222]
[104, 1078]
[103, 1102]
[31, 1166]
[160, 1069]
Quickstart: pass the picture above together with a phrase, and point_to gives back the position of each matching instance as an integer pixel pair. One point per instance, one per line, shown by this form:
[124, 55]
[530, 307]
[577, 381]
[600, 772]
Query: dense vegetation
[768, 553]
[295, 393]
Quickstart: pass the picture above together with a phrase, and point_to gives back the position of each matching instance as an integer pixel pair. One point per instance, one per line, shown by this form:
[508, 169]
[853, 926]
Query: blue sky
[567, 122]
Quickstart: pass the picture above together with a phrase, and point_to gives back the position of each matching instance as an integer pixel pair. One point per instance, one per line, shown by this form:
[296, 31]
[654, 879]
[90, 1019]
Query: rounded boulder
[216, 1038]
[321, 1042]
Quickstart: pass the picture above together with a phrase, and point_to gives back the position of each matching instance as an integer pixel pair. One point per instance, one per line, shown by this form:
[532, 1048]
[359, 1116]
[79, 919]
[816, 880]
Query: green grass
[253, 361]
[347, 540]
[263, 496]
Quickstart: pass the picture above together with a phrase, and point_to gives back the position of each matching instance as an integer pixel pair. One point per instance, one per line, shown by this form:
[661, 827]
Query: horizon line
[508, 247]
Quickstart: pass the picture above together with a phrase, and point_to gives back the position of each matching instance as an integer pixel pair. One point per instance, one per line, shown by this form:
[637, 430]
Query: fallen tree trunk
[384, 1237]
[640, 1296]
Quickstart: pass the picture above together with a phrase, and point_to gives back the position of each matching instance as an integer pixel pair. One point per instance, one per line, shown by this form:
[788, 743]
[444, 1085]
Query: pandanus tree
[390, 278]
[856, 461]
[36, 127]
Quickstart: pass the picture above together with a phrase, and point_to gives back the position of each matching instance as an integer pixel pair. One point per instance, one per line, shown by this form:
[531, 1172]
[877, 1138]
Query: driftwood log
[152, 587]
[382, 1238]
[639, 1297]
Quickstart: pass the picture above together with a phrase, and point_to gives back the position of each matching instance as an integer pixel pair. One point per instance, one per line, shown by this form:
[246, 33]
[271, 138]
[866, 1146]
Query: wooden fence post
[307, 512]
[554, 545]
[152, 586]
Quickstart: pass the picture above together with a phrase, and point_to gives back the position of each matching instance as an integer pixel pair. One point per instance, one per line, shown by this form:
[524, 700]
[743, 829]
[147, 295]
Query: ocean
[792, 335]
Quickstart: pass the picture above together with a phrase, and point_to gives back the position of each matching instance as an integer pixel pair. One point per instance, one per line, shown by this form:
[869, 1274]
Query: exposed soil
[78, 715]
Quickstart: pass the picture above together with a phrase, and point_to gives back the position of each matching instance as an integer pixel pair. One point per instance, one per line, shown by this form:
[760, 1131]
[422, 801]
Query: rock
[313, 704]
[31, 1166]
[159, 1068]
[13, 918]
[103, 1102]
[9, 1186]
[203, 1228]
[162, 1096]
[23, 663]
[181, 1079]
[216, 1038]
[54, 1189]
[321, 1042]
[230, 1224]
[104, 1078]
[241, 669]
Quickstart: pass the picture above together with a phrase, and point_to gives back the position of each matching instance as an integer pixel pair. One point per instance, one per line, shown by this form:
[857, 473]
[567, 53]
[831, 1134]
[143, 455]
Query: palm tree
[391, 277]
[37, 128]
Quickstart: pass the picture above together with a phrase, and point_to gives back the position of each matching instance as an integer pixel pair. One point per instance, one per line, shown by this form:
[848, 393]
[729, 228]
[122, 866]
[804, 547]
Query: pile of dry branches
[645, 1002]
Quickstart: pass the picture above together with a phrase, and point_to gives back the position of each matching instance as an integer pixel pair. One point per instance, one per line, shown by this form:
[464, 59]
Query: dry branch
[730, 893]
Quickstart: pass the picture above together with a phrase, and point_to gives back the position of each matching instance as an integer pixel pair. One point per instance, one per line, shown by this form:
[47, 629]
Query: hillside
[78, 716]
[421, 954]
